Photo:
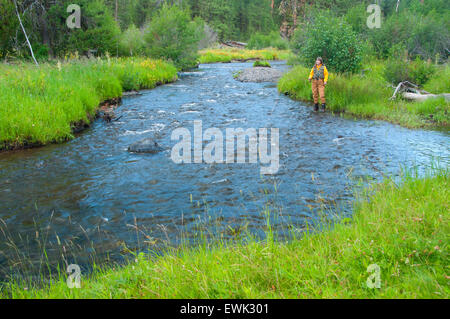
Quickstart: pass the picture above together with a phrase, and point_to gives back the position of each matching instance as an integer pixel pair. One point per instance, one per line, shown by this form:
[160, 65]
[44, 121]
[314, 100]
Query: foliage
[440, 82]
[228, 55]
[131, 42]
[8, 25]
[417, 71]
[421, 35]
[332, 39]
[172, 35]
[263, 64]
[260, 41]
[235, 19]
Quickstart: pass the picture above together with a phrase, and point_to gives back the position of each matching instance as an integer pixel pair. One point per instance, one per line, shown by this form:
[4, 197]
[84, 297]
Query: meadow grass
[41, 105]
[235, 54]
[367, 96]
[403, 228]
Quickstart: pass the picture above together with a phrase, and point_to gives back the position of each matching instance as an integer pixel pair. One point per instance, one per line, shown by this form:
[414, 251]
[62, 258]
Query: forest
[120, 26]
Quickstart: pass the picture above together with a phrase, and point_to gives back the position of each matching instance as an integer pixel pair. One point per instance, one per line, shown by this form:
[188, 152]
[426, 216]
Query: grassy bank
[367, 96]
[403, 229]
[42, 105]
[229, 55]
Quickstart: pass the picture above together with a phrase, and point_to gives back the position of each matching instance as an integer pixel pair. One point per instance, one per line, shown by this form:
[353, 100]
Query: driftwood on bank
[234, 44]
[423, 97]
[410, 91]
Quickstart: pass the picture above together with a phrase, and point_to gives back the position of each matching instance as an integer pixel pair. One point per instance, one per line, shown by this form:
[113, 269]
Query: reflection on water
[95, 192]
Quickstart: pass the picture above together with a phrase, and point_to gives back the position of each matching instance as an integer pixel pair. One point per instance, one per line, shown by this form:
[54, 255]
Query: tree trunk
[25, 33]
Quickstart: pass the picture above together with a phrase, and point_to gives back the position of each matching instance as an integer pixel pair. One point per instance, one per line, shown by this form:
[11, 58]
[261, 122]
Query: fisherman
[319, 78]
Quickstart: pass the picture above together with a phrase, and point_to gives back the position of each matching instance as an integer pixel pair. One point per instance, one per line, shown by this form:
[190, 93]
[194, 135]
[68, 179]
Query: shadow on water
[90, 200]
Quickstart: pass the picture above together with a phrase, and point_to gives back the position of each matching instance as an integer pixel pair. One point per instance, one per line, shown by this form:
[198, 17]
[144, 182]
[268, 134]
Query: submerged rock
[147, 145]
[259, 74]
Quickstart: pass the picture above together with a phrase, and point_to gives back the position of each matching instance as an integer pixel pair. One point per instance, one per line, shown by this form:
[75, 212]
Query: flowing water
[91, 195]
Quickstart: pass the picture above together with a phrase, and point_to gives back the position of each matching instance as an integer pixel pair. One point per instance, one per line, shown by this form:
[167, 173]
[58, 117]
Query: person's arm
[325, 73]
[311, 74]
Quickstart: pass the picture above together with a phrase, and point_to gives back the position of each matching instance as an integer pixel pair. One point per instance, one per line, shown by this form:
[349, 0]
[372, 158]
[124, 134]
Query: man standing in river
[319, 77]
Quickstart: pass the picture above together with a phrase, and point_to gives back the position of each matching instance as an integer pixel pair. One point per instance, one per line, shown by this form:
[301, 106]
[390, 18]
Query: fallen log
[410, 91]
[234, 44]
[417, 97]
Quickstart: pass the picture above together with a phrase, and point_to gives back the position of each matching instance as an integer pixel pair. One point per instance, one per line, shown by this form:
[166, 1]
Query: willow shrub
[41, 105]
[331, 38]
[172, 35]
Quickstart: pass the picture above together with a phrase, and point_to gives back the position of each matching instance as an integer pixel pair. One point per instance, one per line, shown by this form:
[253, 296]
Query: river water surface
[91, 196]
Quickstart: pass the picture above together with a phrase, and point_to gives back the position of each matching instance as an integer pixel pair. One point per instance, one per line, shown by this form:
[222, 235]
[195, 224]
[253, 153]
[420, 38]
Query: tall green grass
[41, 105]
[229, 55]
[403, 228]
[367, 95]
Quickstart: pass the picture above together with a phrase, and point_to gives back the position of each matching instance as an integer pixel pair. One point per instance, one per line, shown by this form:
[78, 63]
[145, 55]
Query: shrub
[424, 36]
[440, 82]
[417, 71]
[172, 35]
[131, 42]
[263, 64]
[331, 38]
[99, 30]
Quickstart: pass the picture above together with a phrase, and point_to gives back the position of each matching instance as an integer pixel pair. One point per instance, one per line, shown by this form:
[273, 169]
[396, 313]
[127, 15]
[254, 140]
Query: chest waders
[318, 87]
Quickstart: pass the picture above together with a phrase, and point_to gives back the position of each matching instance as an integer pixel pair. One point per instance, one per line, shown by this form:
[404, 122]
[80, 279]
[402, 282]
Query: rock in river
[147, 145]
[259, 74]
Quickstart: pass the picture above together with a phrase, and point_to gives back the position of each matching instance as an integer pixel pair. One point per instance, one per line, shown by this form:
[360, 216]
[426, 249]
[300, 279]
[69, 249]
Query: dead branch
[25, 33]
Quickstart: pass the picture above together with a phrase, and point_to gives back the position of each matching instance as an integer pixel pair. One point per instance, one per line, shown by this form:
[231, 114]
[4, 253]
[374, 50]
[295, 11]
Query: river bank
[367, 96]
[400, 228]
[44, 105]
[242, 55]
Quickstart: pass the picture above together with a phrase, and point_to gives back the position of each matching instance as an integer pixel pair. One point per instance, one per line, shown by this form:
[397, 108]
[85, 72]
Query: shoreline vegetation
[401, 227]
[367, 95]
[228, 55]
[48, 104]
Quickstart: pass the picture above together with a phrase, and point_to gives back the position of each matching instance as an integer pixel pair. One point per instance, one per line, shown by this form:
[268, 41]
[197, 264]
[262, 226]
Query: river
[90, 196]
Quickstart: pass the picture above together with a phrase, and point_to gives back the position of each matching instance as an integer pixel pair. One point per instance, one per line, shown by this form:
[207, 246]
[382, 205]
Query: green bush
[131, 42]
[424, 36]
[417, 71]
[263, 64]
[260, 41]
[172, 35]
[99, 31]
[440, 82]
[331, 38]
